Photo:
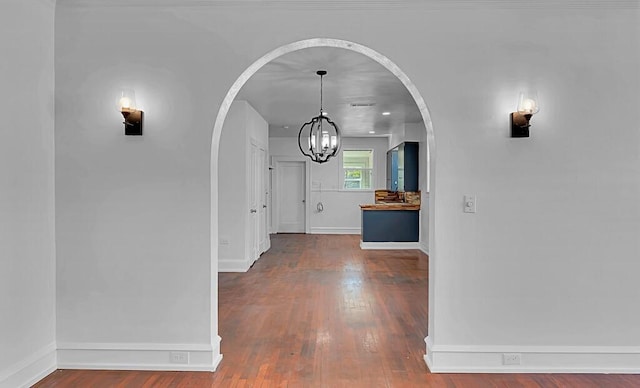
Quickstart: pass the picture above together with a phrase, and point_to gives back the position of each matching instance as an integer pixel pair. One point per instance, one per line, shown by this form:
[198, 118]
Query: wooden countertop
[390, 206]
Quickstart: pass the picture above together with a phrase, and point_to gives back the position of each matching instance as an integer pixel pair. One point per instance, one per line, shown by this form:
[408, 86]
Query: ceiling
[286, 92]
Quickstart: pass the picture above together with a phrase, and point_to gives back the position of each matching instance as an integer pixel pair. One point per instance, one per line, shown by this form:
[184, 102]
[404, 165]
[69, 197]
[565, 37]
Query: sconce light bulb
[528, 103]
[529, 106]
[127, 101]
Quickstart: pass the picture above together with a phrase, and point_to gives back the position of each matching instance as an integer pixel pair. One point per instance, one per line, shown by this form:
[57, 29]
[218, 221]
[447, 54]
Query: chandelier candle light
[319, 139]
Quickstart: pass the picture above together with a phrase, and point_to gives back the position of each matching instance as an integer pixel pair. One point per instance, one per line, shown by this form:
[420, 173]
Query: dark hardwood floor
[316, 311]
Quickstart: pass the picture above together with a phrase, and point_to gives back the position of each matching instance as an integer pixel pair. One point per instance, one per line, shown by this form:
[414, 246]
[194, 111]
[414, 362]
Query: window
[357, 169]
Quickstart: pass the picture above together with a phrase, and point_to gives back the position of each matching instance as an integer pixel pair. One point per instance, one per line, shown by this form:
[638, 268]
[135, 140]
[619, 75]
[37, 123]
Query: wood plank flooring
[316, 311]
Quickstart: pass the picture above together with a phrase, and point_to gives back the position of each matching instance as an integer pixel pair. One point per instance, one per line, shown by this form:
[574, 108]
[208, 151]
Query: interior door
[291, 197]
[263, 196]
[254, 203]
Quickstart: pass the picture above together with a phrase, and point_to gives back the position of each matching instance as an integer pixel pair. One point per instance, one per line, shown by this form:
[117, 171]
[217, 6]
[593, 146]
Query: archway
[219, 123]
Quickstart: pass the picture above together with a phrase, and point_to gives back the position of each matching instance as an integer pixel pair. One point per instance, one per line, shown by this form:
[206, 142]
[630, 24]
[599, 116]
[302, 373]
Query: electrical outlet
[179, 357]
[511, 359]
[224, 241]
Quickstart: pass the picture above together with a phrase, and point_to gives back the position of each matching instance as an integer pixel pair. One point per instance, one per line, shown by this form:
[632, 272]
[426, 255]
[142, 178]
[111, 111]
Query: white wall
[133, 213]
[241, 125]
[341, 208]
[547, 266]
[27, 247]
[424, 189]
[416, 132]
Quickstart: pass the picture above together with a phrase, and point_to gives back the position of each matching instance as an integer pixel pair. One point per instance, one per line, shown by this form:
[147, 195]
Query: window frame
[342, 169]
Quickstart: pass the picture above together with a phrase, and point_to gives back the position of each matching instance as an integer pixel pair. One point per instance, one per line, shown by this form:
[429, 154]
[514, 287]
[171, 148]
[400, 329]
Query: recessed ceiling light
[372, 131]
[286, 127]
[386, 113]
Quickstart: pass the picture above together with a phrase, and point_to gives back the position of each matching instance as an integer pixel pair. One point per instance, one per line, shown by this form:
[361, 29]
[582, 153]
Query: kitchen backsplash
[412, 197]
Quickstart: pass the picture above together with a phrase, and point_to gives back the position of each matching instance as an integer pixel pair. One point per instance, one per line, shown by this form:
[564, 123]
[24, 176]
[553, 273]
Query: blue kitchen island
[390, 225]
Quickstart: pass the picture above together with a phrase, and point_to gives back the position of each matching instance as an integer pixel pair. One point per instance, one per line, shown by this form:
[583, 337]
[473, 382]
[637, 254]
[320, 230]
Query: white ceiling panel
[357, 90]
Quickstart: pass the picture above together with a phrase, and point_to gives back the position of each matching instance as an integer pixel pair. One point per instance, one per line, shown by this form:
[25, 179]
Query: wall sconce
[132, 116]
[527, 107]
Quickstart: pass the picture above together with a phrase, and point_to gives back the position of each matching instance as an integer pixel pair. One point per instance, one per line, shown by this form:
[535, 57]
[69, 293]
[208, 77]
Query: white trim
[138, 356]
[353, 190]
[130, 366]
[267, 247]
[359, 4]
[428, 357]
[534, 359]
[233, 265]
[50, 3]
[134, 346]
[254, 224]
[424, 248]
[389, 245]
[30, 369]
[342, 191]
[335, 230]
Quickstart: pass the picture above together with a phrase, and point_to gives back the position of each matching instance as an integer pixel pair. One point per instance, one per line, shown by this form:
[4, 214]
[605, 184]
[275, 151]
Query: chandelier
[319, 139]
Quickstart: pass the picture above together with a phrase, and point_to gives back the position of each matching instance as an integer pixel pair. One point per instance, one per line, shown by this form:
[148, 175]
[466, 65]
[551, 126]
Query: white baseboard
[335, 230]
[226, 265]
[389, 245]
[128, 356]
[267, 246]
[31, 369]
[533, 359]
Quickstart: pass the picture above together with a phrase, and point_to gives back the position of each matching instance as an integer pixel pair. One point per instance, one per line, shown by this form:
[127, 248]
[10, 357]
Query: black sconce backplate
[520, 125]
[133, 123]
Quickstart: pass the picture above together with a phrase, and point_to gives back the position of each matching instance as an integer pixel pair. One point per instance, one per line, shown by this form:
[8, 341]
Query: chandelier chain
[321, 77]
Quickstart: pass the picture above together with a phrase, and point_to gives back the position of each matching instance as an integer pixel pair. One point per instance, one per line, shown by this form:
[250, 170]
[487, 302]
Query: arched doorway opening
[215, 152]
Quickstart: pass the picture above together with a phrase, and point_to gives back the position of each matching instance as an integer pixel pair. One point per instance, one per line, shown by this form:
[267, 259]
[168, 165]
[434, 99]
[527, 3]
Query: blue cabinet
[390, 225]
[403, 167]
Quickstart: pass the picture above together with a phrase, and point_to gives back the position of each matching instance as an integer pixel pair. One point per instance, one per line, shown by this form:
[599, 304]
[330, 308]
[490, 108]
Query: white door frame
[260, 177]
[265, 204]
[277, 160]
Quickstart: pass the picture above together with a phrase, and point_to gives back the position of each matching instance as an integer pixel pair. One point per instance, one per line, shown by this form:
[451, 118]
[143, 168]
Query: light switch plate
[469, 203]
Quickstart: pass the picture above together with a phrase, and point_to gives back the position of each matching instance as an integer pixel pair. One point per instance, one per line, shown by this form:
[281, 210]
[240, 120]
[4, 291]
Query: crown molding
[50, 3]
[362, 4]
